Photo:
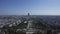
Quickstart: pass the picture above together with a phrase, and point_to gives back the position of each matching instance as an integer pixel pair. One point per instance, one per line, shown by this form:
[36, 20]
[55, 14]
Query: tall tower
[28, 17]
[28, 14]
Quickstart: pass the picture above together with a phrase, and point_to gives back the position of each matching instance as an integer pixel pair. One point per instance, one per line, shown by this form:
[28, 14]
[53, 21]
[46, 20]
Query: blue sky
[35, 7]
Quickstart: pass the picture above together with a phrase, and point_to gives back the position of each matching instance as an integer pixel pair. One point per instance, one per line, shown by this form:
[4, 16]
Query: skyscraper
[28, 14]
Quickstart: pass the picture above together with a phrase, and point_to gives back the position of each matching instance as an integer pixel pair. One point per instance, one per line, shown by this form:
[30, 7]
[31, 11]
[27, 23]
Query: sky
[34, 7]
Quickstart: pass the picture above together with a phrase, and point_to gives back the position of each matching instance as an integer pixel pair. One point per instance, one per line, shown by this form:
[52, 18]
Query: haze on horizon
[35, 7]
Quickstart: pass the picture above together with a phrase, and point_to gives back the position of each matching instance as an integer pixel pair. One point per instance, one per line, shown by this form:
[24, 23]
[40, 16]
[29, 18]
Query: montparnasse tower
[28, 14]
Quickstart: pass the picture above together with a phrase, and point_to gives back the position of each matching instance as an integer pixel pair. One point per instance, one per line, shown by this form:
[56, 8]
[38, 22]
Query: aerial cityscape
[29, 16]
[29, 24]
